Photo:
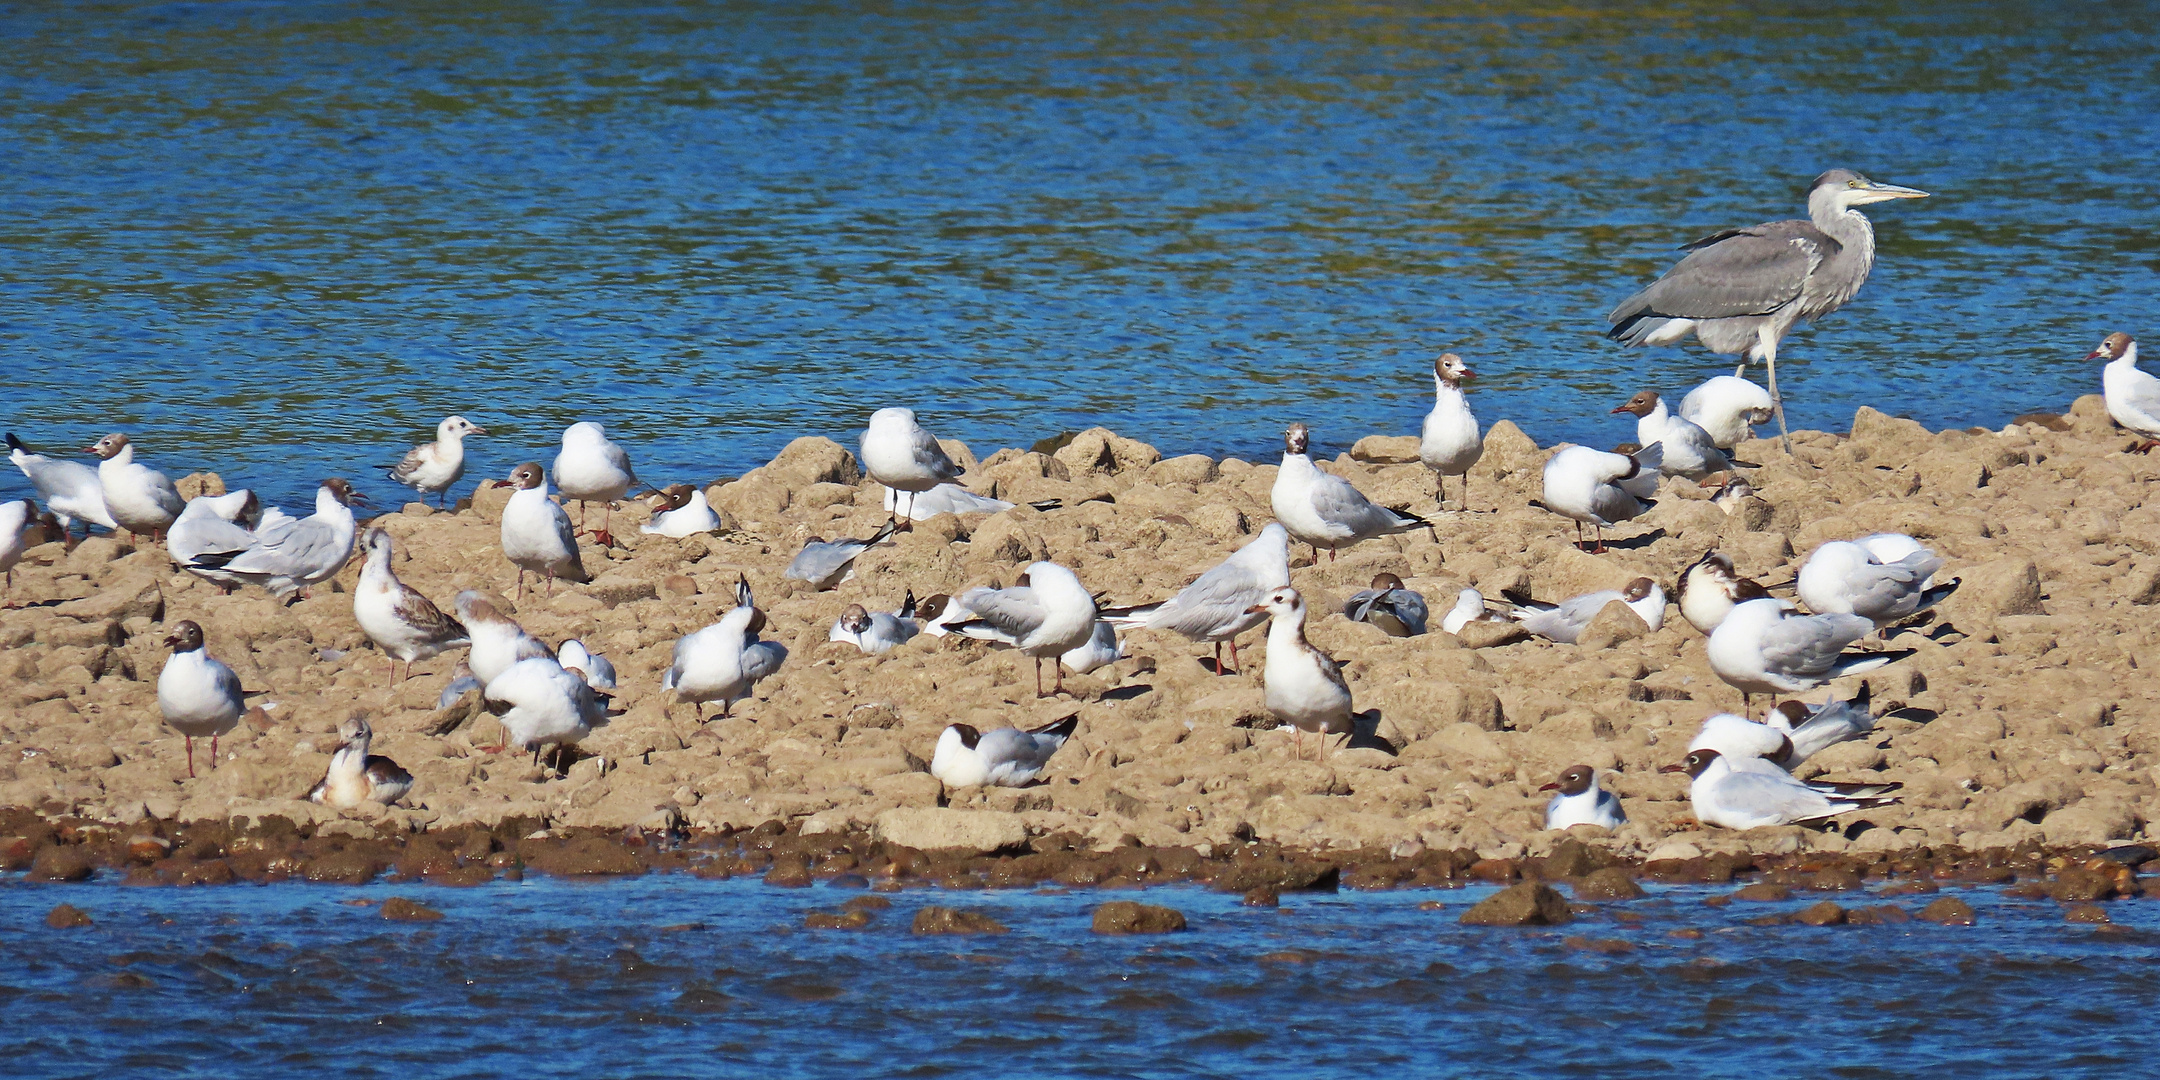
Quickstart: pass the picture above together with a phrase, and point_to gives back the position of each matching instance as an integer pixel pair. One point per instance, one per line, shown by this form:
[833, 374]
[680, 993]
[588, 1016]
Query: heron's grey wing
[931, 456]
[1012, 612]
[1811, 645]
[1737, 272]
[762, 658]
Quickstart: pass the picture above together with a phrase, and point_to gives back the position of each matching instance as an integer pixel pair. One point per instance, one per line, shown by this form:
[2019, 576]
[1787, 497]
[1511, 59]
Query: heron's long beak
[1880, 192]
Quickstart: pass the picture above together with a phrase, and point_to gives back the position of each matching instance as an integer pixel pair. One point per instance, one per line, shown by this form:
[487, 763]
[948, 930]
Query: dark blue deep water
[675, 977]
[282, 239]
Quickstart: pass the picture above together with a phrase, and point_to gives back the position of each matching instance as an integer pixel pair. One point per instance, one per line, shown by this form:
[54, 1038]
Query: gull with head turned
[1001, 757]
[1709, 588]
[1566, 620]
[680, 510]
[1842, 577]
[294, 555]
[1592, 487]
[725, 661]
[1728, 407]
[900, 454]
[1046, 614]
[355, 776]
[591, 468]
[69, 489]
[2132, 395]
[140, 498]
[497, 640]
[1764, 647]
[1395, 609]
[536, 533]
[877, 632]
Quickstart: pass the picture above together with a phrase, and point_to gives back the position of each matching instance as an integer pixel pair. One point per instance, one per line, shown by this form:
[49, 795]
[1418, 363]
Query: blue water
[547, 978]
[282, 240]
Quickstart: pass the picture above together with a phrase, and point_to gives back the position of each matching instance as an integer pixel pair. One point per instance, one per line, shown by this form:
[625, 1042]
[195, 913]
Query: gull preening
[1728, 407]
[898, 453]
[536, 533]
[1792, 734]
[1101, 649]
[1688, 450]
[724, 661]
[2132, 395]
[69, 489]
[1566, 620]
[591, 468]
[680, 510]
[1749, 793]
[432, 467]
[1217, 606]
[1396, 610]
[540, 703]
[876, 632]
[826, 563]
[1844, 578]
[214, 523]
[296, 554]
[951, 498]
[599, 670]
[1580, 800]
[137, 496]
[197, 694]
[1046, 614]
[356, 777]
[1002, 757]
[1304, 687]
[1469, 608]
[1450, 442]
[1591, 487]
[1709, 588]
[402, 623]
[497, 640]
[1324, 510]
[1763, 647]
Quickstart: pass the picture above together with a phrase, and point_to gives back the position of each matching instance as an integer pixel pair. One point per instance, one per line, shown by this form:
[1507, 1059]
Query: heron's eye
[1852, 183]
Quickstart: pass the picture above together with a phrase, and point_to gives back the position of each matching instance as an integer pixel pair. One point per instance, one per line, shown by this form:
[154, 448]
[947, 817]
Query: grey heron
[1741, 290]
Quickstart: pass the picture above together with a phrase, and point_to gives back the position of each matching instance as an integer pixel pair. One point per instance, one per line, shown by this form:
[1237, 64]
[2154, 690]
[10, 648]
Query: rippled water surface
[281, 240]
[670, 977]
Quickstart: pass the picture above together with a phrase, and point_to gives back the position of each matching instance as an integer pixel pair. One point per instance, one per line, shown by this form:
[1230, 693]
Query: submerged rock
[1527, 904]
[1127, 917]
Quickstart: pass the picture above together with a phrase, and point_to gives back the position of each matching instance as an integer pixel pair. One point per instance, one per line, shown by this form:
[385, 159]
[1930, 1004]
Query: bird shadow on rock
[1637, 543]
[1365, 735]
[1913, 713]
[1127, 693]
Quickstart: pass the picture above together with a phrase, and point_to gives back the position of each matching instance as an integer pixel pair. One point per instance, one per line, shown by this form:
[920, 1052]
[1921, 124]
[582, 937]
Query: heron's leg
[1768, 345]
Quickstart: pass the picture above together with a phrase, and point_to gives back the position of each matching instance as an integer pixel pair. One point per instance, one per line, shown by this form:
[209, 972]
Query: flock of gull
[548, 698]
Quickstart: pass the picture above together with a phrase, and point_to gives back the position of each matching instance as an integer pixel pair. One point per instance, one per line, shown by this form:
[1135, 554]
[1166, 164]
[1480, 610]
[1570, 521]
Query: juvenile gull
[724, 661]
[356, 777]
[432, 467]
[1324, 510]
[1304, 686]
[1580, 800]
[590, 468]
[898, 453]
[137, 496]
[536, 533]
[197, 694]
[295, 554]
[1843, 578]
[1689, 451]
[826, 563]
[69, 489]
[876, 632]
[1591, 488]
[1397, 611]
[1046, 614]
[402, 623]
[1566, 620]
[680, 510]
[2132, 395]
[1217, 606]
[1002, 757]
[1450, 443]
[1729, 793]
[1762, 647]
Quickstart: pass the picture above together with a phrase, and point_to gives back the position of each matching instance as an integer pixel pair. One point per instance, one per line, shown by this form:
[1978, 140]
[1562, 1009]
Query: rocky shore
[2025, 723]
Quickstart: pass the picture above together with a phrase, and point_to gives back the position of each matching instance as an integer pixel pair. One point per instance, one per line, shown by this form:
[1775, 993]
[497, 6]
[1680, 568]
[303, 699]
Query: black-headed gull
[591, 468]
[536, 533]
[898, 453]
[1046, 614]
[951, 498]
[295, 554]
[1843, 578]
[1469, 608]
[599, 670]
[1728, 407]
[1793, 733]
[1396, 610]
[1709, 588]
[1763, 647]
[1102, 648]
[1324, 510]
[680, 510]
[432, 467]
[826, 563]
[16, 518]
[1002, 757]
[1305, 688]
[197, 694]
[1748, 793]
[402, 623]
[69, 489]
[214, 523]
[497, 640]
[1727, 492]
[876, 632]
[1217, 606]
[356, 777]
[1580, 800]
[541, 703]
[142, 499]
[938, 613]
[1590, 486]
[1689, 451]
[1566, 620]
[1450, 443]
[2132, 395]
[724, 661]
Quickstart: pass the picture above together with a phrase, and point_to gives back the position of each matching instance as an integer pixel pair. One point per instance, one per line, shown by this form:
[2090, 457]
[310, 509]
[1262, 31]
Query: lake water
[673, 977]
[282, 240]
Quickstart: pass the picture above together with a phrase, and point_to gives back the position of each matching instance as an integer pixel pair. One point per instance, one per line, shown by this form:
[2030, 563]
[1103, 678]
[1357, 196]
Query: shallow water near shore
[280, 241]
[667, 976]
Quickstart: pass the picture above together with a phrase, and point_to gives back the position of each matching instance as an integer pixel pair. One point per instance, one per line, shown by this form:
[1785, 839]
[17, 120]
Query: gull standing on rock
[1003, 757]
[16, 518]
[356, 777]
[825, 564]
[592, 469]
[2132, 396]
[1566, 620]
[724, 661]
[1844, 578]
[680, 510]
[1580, 800]
[402, 623]
[898, 453]
[1450, 443]
[296, 554]
[1689, 451]
[1397, 611]
[876, 632]
[197, 694]
[139, 497]
[542, 703]
[431, 468]
[497, 640]
[69, 489]
[1727, 793]
[1304, 686]
[1324, 510]
[599, 670]
[1762, 647]
[1046, 614]
[1217, 606]
[536, 533]
[1591, 486]
[1709, 588]
[1728, 407]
